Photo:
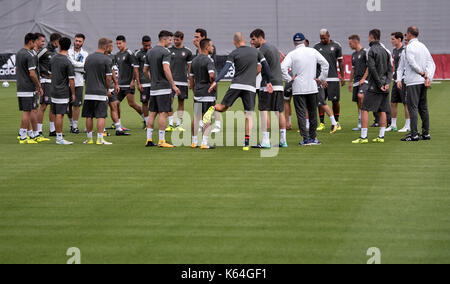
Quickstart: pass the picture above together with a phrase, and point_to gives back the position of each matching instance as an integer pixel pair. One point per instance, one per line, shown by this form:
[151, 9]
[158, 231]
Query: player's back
[97, 67]
[156, 57]
[61, 69]
[202, 66]
[245, 60]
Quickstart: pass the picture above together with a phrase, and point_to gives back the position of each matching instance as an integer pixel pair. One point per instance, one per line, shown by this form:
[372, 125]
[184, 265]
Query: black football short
[159, 104]
[124, 92]
[184, 93]
[27, 103]
[60, 109]
[271, 102]
[248, 98]
[46, 98]
[95, 109]
[376, 102]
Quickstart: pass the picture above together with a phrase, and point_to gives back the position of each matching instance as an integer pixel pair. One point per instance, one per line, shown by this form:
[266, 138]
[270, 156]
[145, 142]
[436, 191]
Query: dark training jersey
[62, 70]
[245, 60]
[156, 58]
[397, 55]
[25, 62]
[98, 66]
[141, 57]
[44, 56]
[332, 53]
[202, 67]
[126, 61]
[272, 55]
[181, 57]
[359, 65]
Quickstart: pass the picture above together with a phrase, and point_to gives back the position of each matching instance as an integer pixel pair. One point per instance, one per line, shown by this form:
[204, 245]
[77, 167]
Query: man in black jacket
[380, 77]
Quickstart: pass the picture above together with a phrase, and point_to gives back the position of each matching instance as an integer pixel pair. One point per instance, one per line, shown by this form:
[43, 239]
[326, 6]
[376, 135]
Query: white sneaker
[404, 130]
[103, 142]
[216, 129]
[63, 142]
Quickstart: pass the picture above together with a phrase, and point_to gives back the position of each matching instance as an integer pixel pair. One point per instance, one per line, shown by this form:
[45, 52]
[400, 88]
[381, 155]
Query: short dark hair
[39, 35]
[398, 35]
[202, 32]
[258, 33]
[204, 43]
[179, 34]
[414, 31]
[65, 43]
[80, 36]
[30, 37]
[376, 34]
[146, 39]
[55, 37]
[355, 37]
[163, 34]
[121, 38]
[307, 41]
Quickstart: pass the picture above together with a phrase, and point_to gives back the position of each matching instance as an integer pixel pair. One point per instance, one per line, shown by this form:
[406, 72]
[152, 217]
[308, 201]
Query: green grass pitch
[130, 204]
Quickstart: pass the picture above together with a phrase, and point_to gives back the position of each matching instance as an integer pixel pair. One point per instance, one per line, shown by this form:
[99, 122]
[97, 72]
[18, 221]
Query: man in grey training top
[380, 77]
[63, 87]
[270, 102]
[98, 68]
[180, 67]
[332, 51]
[203, 73]
[27, 84]
[145, 84]
[158, 63]
[246, 60]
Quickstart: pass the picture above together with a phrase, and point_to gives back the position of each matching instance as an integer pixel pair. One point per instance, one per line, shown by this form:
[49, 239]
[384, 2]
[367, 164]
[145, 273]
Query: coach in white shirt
[303, 64]
[419, 72]
[77, 56]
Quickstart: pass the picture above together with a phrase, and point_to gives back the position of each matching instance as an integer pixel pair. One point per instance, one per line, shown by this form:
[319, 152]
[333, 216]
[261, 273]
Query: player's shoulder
[187, 49]
[129, 52]
[318, 45]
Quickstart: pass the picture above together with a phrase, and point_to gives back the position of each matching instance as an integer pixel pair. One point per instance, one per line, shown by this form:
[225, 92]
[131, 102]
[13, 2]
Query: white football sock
[394, 122]
[333, 120]
[382, 131]
[205, 140]
[118, 127]
[75, 124]
[149, 134]
[194, 140]
[162, 135]
[307, 124]
[52, 127]
[59, 136]
[364, 133]
[39, 127]
[171, 120]
[71, 122]
[408, 123]
[89, 135]
[23, 134]
[283, 135]
[266, 137]
[99, 136]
